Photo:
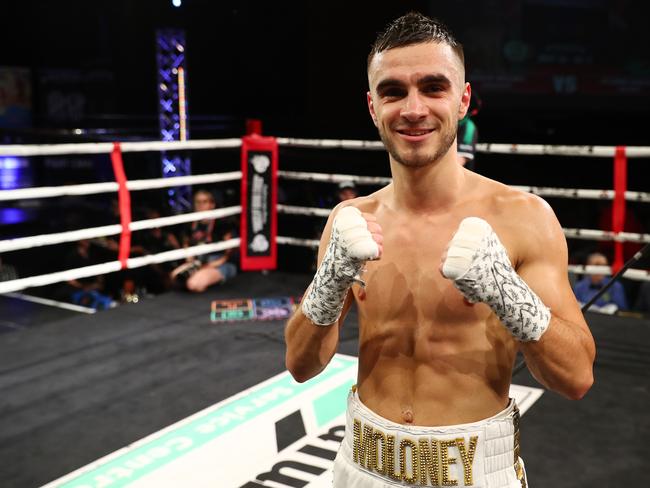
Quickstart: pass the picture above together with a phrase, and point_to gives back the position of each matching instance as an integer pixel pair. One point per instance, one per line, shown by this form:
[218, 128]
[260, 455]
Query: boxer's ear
[371, 108]
[465, 98]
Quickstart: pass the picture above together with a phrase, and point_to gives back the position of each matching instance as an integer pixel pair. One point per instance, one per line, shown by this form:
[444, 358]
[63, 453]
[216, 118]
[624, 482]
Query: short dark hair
[206, 192]
[415, 28]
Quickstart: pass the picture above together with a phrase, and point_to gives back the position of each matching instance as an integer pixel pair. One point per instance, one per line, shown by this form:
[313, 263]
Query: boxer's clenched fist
[479, 267]
[356, 238]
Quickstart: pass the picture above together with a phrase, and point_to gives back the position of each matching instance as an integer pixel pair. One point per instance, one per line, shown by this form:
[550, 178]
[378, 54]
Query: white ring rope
[334, 178]
[141, 146]
[605, 235]
[548, 150]
[107, 147]
[295, 241]
[154, 183]
[331, 143]
[582, 193]
[633, 274]
[99, 269]
[295, 210]
[579, 193]
[585, 234]
[133, 185]
[553, 150]
[109, 230]
[495, 148]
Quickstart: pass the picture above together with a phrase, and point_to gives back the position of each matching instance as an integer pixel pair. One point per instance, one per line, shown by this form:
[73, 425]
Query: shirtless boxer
[452, 274]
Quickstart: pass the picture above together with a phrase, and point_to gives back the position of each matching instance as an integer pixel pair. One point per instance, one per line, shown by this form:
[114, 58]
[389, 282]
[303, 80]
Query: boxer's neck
[431, 188]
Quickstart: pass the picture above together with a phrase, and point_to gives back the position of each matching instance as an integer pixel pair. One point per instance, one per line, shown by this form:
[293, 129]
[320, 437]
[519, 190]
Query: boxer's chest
[406, 284]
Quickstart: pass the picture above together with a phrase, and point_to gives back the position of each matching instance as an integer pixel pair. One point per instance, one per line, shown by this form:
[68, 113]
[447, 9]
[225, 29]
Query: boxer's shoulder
[503, 203]
[524, 222]
[366, 204]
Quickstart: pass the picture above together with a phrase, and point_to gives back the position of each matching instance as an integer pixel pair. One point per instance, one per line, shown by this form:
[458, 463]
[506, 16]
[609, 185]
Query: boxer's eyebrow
[437, 79]
[383, 85]
[431, 79]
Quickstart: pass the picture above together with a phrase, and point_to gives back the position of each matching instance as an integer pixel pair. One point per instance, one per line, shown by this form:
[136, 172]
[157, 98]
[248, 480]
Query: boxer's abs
[413, 377]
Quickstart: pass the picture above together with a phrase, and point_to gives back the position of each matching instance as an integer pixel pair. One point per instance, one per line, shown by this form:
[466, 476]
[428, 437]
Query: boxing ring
[83, 391]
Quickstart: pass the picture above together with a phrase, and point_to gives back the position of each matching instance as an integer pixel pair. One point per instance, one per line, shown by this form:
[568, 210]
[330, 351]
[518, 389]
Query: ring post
[618, 207]
[259, 183]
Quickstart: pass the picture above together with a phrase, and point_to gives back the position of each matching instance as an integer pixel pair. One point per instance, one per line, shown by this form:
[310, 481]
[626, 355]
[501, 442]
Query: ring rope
[334, 178]
[107, 147]
[132, 185]
[294, 241]
[295, 210]
[494, 148]
[98, 269]
[109, 230]
[585, 234]
[605, 235]
[633, 274]
[141, 146]
[330, 143]
[582, 193]
[155, 183]
[578, 193]
[554, 150]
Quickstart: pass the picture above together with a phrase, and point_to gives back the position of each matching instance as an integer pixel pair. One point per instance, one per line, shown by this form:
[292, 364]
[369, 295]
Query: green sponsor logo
[332, 404]
[150, 456]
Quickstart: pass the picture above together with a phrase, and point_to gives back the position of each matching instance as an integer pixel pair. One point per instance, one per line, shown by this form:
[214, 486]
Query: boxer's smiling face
[417, 95]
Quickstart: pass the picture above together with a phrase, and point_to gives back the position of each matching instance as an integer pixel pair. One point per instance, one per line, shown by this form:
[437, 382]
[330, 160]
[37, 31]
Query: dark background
[546, 71]
[553, 71]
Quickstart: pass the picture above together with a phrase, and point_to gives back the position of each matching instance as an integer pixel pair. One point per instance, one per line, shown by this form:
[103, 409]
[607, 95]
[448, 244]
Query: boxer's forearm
[309, 347]
[312, 333]
[562, 360]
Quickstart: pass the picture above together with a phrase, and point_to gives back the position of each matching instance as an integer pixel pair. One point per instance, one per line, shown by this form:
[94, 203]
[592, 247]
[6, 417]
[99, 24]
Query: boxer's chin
[415, 159]
[418, 156]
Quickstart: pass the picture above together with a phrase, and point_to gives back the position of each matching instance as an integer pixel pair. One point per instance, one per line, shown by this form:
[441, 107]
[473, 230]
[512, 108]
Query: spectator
[198, 273]
[642, 303]
[88, 292]
[631, 224]
[7, 271]
[612, 300]
[347, 190]
[156, 277]
[467, 138]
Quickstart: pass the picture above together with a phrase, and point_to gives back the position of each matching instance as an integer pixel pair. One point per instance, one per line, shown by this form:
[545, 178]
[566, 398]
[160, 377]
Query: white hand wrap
[350, 246]
[480, 268]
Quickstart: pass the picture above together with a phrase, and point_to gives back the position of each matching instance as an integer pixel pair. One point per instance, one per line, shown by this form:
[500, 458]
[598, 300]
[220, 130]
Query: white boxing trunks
[376, 452]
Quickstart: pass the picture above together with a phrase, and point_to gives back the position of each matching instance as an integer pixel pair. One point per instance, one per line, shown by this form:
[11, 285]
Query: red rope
[124, 201]
[618, 209]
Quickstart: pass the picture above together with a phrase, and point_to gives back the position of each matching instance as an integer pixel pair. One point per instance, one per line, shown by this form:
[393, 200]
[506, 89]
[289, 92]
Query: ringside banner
[259, 163]
[277, 434]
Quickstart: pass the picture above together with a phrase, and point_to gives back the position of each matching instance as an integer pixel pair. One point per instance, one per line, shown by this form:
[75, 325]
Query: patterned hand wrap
[350, 246]
[480, 268]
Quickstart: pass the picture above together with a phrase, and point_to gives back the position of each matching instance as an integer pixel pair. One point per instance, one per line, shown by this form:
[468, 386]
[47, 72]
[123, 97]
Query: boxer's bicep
[544, 268]
[562, 360]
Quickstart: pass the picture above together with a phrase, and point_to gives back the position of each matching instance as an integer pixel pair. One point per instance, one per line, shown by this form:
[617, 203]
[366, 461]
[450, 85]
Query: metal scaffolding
[172, 112]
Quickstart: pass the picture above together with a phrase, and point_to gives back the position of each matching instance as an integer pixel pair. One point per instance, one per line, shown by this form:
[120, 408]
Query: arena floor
[76, 387]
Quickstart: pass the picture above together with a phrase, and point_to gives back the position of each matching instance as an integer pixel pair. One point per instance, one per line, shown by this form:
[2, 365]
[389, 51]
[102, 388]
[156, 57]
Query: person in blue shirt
[612, 300]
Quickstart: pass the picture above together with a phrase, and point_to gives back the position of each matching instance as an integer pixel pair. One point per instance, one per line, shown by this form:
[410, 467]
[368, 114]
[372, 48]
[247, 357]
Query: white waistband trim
[479, 454]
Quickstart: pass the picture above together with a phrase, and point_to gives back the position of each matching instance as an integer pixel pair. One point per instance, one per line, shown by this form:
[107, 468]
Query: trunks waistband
[478, 454]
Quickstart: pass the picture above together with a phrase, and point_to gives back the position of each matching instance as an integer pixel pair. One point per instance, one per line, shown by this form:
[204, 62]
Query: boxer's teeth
[415, 132]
